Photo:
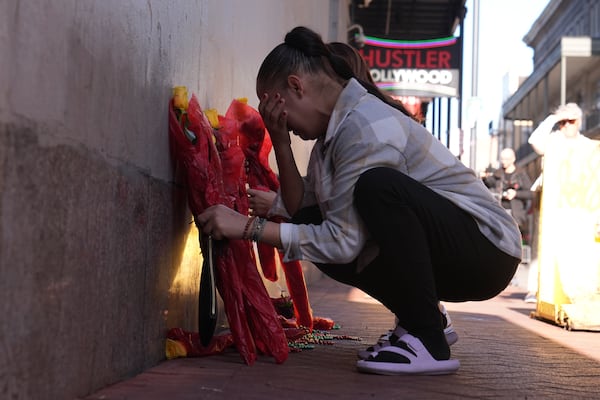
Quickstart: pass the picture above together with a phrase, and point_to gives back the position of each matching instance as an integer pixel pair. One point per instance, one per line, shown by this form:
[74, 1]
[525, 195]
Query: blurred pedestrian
[512, 186]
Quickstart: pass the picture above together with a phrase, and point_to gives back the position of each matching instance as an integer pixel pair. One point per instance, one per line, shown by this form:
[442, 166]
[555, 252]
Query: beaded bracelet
[259, 229]
[247, 227]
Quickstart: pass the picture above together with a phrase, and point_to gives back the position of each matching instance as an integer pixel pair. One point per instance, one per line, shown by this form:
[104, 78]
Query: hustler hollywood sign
[420, 68]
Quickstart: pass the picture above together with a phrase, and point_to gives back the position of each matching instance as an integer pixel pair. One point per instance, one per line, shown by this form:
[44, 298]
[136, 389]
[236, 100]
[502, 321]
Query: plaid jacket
[363, 133]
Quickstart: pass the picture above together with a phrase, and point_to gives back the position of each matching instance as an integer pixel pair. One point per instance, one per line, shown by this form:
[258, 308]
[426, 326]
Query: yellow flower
[174, 349]
[243, 100]
[213, 117]
[180, 97]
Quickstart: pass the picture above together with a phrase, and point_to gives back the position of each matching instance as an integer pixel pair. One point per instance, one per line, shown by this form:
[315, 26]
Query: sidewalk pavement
[504, 354]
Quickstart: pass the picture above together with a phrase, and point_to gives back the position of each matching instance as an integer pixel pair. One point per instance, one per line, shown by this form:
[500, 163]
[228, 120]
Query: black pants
[429, 250]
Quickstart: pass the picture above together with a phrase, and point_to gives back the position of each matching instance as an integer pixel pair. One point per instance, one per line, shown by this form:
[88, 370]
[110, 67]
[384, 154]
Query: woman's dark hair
[363, 74]
[303, 50]
[353, 58]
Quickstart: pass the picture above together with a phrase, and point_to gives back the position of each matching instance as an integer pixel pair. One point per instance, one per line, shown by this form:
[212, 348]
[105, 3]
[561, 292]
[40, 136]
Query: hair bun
[307, 41]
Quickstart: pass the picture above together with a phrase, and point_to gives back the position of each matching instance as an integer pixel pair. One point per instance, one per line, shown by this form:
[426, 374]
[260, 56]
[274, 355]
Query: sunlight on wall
[187, 278]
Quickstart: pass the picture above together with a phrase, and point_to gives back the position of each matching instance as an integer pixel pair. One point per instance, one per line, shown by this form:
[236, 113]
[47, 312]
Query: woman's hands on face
[222, 222]
[260, 201]
[274, 115]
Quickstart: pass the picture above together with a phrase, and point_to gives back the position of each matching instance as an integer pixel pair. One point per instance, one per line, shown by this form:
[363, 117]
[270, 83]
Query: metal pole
[438, 102]
[434, 115]
[448, 105]
[388, 17]
[563, 80]
[546, 91]
[460, 89]
[474, 82]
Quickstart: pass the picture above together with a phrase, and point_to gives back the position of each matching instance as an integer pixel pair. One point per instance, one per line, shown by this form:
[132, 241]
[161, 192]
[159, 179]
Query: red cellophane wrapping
[192, 347]
[256, 144]
[213, 177]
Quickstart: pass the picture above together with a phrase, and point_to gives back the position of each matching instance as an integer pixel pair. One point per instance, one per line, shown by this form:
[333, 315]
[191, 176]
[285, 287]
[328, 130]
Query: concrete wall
[97, 258]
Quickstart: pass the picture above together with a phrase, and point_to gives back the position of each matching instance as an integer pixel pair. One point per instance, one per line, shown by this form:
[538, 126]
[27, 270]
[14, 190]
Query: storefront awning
[408, 19]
